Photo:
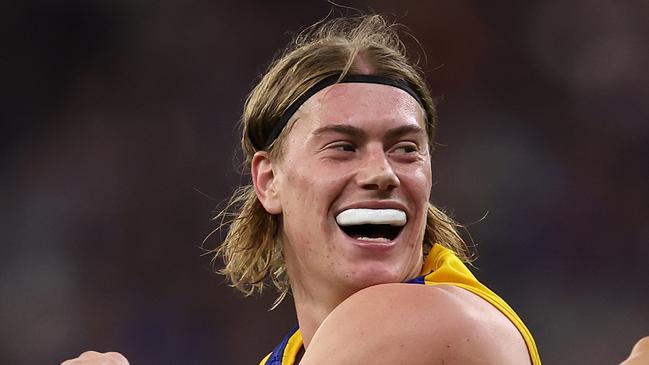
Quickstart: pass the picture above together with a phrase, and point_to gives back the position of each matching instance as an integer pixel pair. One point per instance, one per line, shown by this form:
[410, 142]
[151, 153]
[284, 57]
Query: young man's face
[354, 183]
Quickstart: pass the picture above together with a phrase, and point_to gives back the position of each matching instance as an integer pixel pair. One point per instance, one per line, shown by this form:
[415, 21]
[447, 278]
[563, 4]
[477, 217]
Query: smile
[372, 225]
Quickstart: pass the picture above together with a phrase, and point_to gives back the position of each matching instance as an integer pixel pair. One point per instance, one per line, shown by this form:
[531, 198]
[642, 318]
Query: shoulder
[416, 324]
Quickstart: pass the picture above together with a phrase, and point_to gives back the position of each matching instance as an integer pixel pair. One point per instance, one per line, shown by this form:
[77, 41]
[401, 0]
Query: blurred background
[118, 138]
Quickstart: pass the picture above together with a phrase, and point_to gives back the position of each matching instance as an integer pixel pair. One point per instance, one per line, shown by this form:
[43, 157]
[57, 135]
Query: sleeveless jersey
[442, 266]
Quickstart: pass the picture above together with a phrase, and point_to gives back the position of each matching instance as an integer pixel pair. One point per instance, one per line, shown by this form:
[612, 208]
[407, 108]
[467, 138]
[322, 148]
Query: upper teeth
[350, 217]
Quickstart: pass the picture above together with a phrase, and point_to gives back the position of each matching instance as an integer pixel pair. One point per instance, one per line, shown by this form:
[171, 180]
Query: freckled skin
[312, 184]
[316, 177]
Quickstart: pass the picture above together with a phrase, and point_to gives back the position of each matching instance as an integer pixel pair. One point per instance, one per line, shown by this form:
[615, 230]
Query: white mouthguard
[351, 217]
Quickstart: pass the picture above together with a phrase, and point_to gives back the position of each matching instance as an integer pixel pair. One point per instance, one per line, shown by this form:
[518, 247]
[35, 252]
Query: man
[338, 136]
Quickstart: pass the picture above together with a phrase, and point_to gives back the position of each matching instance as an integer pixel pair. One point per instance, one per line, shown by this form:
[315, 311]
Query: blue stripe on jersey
[278, 352]
[417, 280]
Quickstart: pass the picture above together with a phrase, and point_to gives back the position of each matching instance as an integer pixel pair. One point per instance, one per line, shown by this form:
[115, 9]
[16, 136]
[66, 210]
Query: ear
[263, 179]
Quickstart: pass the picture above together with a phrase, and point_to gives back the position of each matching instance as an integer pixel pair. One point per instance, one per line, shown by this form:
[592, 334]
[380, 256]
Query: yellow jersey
[442, 266]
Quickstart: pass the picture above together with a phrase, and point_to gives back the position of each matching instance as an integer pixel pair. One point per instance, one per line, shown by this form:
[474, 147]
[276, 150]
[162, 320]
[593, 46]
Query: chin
[374, 275]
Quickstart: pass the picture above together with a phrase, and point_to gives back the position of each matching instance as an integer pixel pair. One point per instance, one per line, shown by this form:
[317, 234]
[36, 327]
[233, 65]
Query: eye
[406, 148]
[343, 147]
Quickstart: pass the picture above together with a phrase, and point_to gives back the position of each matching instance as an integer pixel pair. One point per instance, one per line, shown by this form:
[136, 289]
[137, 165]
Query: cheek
[306, 201]
[301, 192]
[419, 182]
[417, 185]
[316, 185]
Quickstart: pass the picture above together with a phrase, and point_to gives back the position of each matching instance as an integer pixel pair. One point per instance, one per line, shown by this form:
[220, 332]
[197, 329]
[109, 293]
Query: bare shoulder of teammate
[639, 354]
[412, 324]
[98, 358]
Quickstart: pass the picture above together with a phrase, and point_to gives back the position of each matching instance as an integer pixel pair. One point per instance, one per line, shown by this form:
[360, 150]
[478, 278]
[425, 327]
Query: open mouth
[372, 231]
[379, 225]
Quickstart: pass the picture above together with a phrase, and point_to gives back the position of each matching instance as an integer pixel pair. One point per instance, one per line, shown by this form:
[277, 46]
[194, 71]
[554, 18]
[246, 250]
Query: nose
[376, 172]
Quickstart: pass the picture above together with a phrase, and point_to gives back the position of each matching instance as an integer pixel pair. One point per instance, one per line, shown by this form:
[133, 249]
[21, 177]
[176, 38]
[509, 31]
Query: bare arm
[97, 358]
[639, 354]
[413, 324]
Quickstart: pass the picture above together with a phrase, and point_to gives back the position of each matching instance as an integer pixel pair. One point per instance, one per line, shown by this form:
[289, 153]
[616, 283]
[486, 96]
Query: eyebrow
[352, 131]
[340, 128]
[393, 133]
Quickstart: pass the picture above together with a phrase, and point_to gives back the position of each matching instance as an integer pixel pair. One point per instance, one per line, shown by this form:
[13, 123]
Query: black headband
[328, 81]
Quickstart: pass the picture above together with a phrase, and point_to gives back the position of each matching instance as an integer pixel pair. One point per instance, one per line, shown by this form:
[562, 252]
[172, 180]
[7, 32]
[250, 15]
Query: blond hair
[252, 249]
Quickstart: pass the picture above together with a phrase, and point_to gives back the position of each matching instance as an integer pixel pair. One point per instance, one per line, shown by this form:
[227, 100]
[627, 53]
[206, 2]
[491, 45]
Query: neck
[312, 311]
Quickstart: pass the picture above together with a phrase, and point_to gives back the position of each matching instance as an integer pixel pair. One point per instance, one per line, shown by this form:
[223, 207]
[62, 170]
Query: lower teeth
[375, 239]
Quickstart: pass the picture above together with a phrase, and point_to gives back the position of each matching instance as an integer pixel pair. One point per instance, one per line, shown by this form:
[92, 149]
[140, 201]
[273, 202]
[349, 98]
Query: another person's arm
[412, 324]
[639, 354]
[97, 358]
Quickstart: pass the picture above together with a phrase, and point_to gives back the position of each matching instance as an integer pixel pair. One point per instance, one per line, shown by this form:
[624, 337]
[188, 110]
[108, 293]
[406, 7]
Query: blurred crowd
[118, 145]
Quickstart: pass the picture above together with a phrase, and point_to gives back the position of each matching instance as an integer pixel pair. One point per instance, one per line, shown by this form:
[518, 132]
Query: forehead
[368, 106]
